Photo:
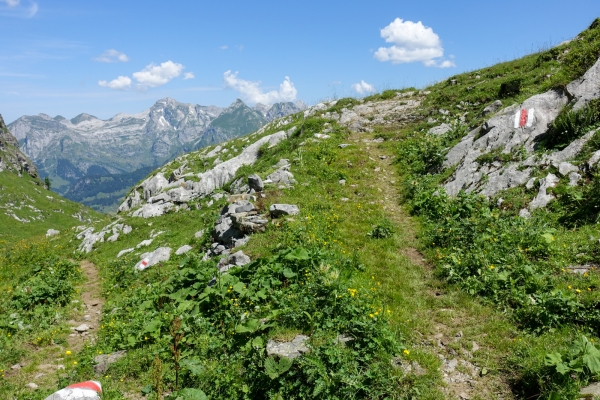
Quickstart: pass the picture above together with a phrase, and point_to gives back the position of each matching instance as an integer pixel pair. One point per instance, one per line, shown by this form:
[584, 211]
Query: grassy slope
[22, 192]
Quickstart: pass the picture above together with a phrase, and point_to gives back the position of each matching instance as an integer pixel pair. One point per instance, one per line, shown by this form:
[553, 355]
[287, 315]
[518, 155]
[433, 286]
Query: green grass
[55, 212]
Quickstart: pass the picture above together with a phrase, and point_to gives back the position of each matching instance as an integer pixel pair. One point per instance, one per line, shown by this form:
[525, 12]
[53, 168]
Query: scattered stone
[82, 328]
[153, 258]
[343, 145]
[342, 182]
[199, 234]
[183, 249]
[113, 238]
[127, 229]
[581, 269]
[31, 385]
[574, 178]
[492, 108]
[292, 349]
[440, 130]
[591, 390]
[238, 259]
[104, 360]
[38, 376]
[543, 198]
[321, 136]
[474, 347]
[255, 183]
[524, 213]
[564, 168]
[249, 222]
[343, 339]
[281, 176]
[278, 210]
[344, 199]
[122, 252]
[16, 367]
[87, 318]
[530, 183]
[52, 232]
[144, 243]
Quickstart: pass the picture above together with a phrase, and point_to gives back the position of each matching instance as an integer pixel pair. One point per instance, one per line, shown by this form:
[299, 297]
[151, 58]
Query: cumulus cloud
[121, 83]
[363, 87]
[252, 93]
[412, 42]
[188, 75]
[112, 55]
[157, 75]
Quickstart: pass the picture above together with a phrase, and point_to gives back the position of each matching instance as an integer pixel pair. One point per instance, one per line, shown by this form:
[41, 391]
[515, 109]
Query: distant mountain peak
[81, 118]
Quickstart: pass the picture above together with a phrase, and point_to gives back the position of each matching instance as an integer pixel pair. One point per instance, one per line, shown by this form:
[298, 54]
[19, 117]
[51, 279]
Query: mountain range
[95, 161]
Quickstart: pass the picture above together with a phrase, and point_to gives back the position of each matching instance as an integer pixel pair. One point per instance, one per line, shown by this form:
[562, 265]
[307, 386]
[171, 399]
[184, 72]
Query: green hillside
[36, 208]
[384, 284]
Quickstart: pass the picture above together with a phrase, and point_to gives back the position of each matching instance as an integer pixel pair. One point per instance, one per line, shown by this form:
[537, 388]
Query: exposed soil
[91, 307]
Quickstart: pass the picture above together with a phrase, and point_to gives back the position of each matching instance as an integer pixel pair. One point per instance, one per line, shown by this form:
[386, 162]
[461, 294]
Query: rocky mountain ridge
[70, 150]
[11, 157]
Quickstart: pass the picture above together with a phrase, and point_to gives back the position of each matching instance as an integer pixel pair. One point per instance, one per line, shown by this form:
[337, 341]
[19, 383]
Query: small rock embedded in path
[82, 328]
[16, 367]
[31, 385]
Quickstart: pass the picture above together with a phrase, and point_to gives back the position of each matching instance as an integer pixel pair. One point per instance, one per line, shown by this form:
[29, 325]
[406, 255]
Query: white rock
[31, 385]
[183, 249]
[564, 168]
[113, 238]
[543, 198]
[594, 158]
[574, 178]
[153, 258]
[144, 243]
[52, 232]
[122, 252]
[82, 328]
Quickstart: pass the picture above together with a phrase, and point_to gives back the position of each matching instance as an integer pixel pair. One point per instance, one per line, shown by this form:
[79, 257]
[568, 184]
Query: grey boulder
[291, 350]
[153, 258]
[279, 210]
[255, 183]
[104, 360]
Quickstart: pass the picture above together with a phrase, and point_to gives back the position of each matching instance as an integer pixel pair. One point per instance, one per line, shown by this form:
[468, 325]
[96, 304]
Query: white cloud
[223, 47]
[121, 83]
[252, 93]
[188, 75]
[412, 42]
[18, 10]
[363, 87]
[112, 55]
[158, 75]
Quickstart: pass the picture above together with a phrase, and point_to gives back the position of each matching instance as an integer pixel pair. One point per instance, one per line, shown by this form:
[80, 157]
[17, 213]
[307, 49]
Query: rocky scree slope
[78, 154]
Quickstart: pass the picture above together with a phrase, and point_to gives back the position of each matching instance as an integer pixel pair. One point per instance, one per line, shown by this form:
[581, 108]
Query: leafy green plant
[382, 230]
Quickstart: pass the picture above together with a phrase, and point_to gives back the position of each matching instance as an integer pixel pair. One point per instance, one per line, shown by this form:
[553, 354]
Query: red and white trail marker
[89, 390]
[144, 264]
[524, 118]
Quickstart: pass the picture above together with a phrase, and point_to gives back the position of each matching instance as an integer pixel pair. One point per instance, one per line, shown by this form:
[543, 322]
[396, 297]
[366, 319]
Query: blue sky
[53, 54]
